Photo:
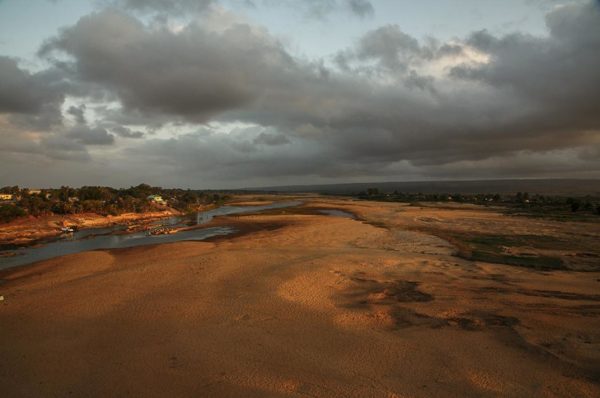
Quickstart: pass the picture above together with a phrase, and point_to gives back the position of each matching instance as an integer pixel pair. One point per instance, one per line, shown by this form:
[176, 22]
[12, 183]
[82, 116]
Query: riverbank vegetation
[102, 200]
[522, 203]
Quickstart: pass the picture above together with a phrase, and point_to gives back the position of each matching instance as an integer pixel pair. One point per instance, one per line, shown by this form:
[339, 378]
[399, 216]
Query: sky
[245, 93]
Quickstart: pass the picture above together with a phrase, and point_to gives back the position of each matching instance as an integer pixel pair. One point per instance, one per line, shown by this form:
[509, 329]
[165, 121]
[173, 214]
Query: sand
[310, 306]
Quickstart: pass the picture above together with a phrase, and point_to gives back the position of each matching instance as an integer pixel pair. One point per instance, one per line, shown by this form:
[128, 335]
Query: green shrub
[10, 212]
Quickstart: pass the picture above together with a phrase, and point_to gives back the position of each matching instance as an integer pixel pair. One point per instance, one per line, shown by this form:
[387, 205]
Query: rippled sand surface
[312, 306]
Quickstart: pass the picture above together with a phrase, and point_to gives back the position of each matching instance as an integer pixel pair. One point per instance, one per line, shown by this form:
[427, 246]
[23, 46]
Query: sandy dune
[322, 306]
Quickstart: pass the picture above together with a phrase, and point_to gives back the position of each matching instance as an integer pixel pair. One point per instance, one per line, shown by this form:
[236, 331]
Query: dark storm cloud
[13, 140]
[121, 117]
[559, 74]
[534, 94]
[232, 156]
[538, 93]
[272, 139]
[30, 101]
[78, 112]
[389, 49]
[23, 148]
[485, 106]
[25, 92]
[194, 73]
[388, 45]
[242, 74]
[90, 136]
[126, 132]
[57, 146]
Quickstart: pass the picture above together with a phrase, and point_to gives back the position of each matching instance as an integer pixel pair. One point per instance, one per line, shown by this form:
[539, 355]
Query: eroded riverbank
[152, 231]
[30, 230]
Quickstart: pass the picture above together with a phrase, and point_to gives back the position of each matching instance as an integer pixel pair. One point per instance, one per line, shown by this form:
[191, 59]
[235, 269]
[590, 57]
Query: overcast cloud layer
[188, 93]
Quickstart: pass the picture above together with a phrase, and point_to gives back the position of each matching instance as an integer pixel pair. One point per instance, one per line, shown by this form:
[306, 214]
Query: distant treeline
[558, 187]
[520, 201]
[100, 200]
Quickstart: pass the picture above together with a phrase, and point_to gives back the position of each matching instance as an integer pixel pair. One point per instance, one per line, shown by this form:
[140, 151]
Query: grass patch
[551, 213]
[536, 262]
[491, 248]
[535, 241]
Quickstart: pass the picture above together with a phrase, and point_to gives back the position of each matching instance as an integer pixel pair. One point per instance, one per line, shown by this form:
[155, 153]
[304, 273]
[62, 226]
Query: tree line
[101, 200]
[520, 200]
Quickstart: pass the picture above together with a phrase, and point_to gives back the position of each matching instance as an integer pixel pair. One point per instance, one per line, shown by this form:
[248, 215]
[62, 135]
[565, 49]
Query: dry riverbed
[394, 304]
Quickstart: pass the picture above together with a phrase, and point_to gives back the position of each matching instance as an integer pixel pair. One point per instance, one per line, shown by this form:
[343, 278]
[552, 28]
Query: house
[6, 196]
[156, 199]
[34, 191]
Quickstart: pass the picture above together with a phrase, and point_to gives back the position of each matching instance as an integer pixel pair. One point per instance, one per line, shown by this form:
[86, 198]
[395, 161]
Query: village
[28, 215]
[18, 202]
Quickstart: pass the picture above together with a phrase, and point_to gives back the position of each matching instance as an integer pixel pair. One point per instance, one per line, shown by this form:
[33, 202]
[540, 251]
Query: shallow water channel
[117, 237]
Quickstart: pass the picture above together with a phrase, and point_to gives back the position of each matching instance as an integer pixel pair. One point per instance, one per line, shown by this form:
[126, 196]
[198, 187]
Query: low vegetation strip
[516, 250]
[536, 261]
[555, 207]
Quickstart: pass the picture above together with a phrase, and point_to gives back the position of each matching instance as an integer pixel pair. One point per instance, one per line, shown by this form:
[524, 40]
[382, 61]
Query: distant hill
[574, 187]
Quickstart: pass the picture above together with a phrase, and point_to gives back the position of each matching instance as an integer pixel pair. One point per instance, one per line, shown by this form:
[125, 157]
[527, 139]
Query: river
[117, 237]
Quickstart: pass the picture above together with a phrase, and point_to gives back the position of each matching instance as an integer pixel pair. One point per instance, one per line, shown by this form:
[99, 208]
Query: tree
[66, 192]
[575, 204]
[10, 212]
[35, 204]
[62, 207]
[11, 190]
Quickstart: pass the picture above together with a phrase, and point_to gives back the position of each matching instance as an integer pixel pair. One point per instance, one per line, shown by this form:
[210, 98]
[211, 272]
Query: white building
[156, 199]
